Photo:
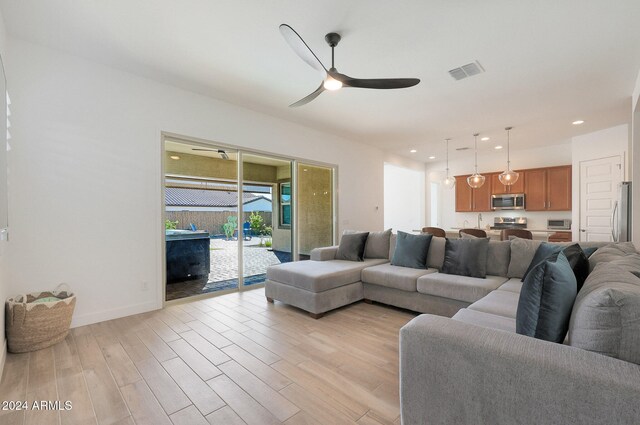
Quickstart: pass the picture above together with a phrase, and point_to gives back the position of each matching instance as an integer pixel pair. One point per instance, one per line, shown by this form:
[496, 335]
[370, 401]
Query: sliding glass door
[230, 214]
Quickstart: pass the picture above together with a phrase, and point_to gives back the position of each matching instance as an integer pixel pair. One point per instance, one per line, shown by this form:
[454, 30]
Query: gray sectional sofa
[470, 366]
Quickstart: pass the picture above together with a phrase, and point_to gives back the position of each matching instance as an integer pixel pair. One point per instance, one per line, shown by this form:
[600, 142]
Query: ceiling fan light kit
[331, 78]
[476, 180]
[449, 182]
[508, 177]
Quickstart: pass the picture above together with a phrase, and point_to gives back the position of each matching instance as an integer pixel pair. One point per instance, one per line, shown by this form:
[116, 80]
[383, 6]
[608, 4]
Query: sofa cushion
[411, 250]
[546, 300]
[466, 257]
[611, 252]
[461, 288]
[522, 252]
[403, 278]
[606, 314]
[501, 303]
[512, 285]
[319, 276]
[629, 262]
[486, 320]
[351, 246]
[498, 257]
[435, 257]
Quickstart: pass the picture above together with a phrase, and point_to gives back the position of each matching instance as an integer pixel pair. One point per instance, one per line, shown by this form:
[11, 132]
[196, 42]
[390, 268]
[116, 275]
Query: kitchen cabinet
[472, 200]
[497, 188]
[560, 237]
[548, 189]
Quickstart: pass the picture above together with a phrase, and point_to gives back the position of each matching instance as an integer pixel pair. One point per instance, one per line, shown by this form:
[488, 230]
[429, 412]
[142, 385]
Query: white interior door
[599, 179]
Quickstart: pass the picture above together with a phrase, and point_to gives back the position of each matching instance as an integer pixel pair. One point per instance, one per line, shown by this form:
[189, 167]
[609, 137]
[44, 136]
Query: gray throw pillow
[606, 314]
[377, 245]
[498, 257]
[522, 252]
[352, 246]
[466, 257]
[411, 250]
[435, 257]
[610, 252]
[546, 299]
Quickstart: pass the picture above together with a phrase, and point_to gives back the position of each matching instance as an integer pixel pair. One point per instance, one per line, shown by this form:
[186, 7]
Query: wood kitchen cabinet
[472, 200]
[497, 188]
[548, 189]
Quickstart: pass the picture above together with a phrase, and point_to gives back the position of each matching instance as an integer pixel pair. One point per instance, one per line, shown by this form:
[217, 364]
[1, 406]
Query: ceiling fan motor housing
[333, 38]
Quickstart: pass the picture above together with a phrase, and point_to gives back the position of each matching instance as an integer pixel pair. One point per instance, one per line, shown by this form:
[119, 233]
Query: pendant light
[449, 182]
[476, 180]
[508, 177]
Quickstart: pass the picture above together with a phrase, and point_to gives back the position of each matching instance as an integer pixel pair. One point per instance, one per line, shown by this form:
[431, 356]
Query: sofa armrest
[324, 254]
[457, 373]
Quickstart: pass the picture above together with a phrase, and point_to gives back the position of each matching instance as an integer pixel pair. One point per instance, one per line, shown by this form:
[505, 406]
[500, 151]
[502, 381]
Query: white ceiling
[547, 62]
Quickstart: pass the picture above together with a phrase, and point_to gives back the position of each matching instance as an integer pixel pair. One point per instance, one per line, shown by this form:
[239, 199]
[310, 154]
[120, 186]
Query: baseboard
[3, 357]
[101, 316]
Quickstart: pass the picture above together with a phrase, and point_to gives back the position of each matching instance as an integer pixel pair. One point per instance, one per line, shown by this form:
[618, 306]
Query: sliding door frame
[241, 151]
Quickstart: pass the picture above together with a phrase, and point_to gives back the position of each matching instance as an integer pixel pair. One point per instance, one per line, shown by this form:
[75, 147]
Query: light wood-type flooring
[233, 359]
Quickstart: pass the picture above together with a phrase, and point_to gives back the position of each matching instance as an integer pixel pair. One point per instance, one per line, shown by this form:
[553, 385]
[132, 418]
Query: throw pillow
[498, 257]
[579, 263]
[606, 314]
[377, 245]
[589, 251]
[466, 257]
[546, 300]
[543, 252]
[411, 250]
[522, 252]
[352, 246]
[435, 257]
[610, 252]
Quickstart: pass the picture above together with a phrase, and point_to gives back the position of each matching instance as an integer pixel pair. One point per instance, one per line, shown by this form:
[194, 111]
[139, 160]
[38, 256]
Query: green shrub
[170, 225]
[230, 226]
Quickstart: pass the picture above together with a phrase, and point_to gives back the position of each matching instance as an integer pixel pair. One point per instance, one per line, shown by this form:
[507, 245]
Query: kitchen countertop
[455, 229]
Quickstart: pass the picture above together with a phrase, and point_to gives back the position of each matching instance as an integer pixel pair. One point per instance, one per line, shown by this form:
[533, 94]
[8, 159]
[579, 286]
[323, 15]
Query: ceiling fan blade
[309, 97]
[207, 150]
[375, 83]
[300, 47]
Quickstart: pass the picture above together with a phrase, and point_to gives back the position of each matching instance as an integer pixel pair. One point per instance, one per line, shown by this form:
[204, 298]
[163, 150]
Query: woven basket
[33, 326]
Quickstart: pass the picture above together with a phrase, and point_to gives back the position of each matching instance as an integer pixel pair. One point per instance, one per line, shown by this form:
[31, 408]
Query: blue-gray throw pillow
[466, 257]
[589, 251]
[411, 250]
[351, 246]
[546, 300]
[542, 253]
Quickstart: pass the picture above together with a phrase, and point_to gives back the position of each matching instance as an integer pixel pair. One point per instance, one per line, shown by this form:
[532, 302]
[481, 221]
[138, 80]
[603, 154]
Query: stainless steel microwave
[507, 201]
[559, 224]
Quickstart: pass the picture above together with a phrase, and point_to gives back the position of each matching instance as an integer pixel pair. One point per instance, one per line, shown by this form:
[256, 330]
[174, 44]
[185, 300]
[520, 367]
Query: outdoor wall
[211, 221]
[315, 208]
[87, 142]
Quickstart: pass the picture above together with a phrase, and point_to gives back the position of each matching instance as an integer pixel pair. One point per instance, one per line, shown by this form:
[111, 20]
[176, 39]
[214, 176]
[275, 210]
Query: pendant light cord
[447, 157]
[475, 142]
[508, 148]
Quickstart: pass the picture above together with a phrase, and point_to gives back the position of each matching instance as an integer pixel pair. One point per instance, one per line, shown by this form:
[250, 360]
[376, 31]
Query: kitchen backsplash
[535, 220]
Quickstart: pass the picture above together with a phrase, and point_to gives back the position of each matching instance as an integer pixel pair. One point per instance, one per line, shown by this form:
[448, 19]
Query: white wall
[635, 156]
[4, 245]
[85, 194]
[403, 198]
[600, 144]
[496, 161]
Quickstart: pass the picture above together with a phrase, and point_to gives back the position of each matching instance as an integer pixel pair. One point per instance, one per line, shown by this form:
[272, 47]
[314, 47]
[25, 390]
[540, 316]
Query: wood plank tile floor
[232, 359]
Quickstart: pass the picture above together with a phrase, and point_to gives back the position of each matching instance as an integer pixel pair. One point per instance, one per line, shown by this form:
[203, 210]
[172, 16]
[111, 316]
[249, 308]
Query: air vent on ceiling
[468, 70]
[465, 148]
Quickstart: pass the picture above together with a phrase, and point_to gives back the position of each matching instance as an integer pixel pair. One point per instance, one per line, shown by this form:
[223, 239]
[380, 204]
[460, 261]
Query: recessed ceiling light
[413, 151]
[498, 147]
[578, 122]
[484, 139]
[176, 157]
[432, 157]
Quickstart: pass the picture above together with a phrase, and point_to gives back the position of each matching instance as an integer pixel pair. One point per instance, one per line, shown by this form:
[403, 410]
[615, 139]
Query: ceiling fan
[222, 153]
[332, 79]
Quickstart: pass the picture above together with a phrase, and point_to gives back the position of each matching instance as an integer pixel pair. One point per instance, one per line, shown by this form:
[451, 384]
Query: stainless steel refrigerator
[621, 217]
